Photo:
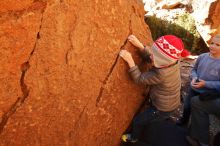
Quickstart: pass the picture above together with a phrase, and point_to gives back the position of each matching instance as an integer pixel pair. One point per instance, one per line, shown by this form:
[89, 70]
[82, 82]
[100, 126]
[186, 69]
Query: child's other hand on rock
[127, 57]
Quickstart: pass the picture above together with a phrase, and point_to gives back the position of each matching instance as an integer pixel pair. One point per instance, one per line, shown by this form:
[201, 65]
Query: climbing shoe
[128, 138]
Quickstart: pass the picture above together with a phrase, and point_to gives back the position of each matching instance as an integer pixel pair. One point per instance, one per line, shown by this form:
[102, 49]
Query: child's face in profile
[214, 47]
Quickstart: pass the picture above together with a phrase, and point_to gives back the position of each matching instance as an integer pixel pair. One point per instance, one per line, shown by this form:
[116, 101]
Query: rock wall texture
[62, 83]
[170, 17]
[206, 13]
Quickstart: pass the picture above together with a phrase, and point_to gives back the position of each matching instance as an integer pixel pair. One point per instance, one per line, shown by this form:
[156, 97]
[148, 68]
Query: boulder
[62, 82]
[206, 14]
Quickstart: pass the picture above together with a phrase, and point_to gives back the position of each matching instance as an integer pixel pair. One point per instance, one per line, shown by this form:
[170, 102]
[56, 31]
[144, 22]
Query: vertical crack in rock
[112, 67]
[80, 116]
[79, 119]
[69, 50]
[24, 67]
[25, 91]
[70, 40]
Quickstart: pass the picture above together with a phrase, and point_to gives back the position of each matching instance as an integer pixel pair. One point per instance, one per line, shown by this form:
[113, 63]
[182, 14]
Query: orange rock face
[206, 14]
[215, 17]
[62, 82]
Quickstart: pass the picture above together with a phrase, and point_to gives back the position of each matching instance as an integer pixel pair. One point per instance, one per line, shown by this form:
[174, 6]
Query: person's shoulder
[203, 55]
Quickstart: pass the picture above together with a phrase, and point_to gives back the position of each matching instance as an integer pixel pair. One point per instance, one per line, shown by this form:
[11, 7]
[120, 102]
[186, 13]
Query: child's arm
[146, 78]
[213, 85]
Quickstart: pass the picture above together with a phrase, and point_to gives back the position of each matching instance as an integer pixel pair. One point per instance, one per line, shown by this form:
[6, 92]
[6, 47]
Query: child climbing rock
[163, 78]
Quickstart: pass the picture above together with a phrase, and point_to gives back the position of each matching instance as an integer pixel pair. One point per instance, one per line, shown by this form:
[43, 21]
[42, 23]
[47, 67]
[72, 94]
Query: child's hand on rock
[133, 39]
[127, 57]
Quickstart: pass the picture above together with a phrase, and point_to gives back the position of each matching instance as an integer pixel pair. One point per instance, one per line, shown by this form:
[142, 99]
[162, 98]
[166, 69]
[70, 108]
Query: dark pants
[217, 139]
[149, 115]
[199, 128]
[187, 104]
